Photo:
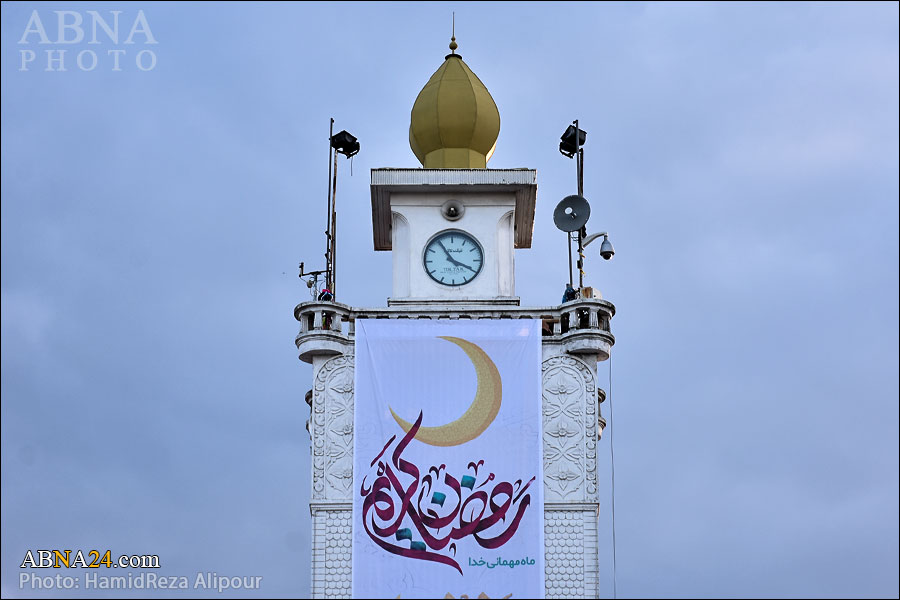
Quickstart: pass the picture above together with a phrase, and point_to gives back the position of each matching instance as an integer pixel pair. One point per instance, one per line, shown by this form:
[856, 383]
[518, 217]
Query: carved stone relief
[333, 430]
[570, 430]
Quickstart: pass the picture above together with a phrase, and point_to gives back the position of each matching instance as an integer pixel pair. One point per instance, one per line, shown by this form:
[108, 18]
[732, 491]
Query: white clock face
[453, 258]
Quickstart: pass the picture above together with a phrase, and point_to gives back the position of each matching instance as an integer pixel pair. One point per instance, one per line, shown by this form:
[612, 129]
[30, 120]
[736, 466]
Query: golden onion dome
[454, 122]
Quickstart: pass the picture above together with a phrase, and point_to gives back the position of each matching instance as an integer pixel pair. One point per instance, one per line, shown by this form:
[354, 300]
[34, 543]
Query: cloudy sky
[743, 156]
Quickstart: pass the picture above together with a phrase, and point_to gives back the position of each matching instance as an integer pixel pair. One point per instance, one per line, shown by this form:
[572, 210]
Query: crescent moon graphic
[481, 412]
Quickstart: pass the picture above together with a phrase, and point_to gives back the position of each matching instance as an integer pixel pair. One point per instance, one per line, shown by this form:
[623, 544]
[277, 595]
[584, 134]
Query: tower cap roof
[454, 121]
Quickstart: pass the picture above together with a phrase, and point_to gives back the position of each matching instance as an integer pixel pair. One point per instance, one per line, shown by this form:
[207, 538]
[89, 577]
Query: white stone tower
[455, 204]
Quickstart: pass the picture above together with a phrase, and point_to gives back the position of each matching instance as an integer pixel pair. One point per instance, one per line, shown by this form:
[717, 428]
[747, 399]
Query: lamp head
[572, 139]
[345, 143]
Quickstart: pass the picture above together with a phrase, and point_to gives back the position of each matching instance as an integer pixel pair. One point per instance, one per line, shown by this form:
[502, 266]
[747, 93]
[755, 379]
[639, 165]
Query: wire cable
[612, 460]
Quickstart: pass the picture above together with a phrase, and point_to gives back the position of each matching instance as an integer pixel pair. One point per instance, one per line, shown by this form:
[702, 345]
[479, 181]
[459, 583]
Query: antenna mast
[572, 212]
[338, 143]
[329, 228]
[579, 167]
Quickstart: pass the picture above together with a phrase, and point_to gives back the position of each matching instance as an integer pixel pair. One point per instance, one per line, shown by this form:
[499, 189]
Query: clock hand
[452, 260]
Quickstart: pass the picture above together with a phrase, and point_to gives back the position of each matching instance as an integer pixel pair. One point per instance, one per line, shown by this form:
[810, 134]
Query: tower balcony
[324, 329]
[579, 327]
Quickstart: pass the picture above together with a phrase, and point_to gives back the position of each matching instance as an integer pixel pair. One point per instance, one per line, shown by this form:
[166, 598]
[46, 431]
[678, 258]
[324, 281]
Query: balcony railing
[581, 326]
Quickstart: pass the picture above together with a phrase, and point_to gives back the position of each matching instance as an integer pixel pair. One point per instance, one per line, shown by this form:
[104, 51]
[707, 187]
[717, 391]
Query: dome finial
[453, 44]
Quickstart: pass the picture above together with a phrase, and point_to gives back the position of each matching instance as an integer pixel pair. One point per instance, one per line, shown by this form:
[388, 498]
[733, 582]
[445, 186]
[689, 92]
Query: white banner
[448, 470]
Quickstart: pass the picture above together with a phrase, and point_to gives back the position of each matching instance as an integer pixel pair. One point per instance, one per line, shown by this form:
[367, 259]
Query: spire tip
[453, 44]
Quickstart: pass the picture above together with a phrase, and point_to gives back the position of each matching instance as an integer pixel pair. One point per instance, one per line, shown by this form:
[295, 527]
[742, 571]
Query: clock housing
[410, 207]
[453, 257]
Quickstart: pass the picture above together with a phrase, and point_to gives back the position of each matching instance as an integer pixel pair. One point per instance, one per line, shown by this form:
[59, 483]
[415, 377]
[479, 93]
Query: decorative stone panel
[333, 430]
[570, 430]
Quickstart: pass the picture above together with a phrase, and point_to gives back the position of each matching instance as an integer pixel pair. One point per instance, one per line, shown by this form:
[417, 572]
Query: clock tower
[452, 228]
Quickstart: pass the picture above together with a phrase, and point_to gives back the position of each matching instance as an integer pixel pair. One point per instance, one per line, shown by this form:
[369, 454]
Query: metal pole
[328, 225]
[580, 161]
[580, 260]
[581, 171]
[577, 154]
[579, 181]
[334, 228]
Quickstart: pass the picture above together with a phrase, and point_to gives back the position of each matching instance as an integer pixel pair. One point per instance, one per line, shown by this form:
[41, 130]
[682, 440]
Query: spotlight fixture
[572, 140]
[344, 143]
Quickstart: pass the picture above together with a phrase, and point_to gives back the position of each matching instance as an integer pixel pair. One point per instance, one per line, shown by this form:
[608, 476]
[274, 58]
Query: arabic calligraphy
[501, 563]
[460, 504]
